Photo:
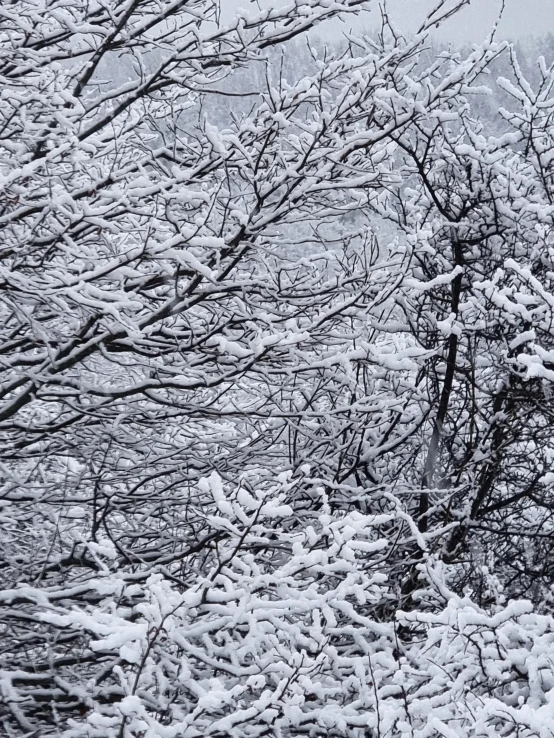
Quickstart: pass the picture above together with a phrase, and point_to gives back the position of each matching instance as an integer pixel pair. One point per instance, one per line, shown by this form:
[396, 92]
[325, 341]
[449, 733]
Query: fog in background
[521, 18]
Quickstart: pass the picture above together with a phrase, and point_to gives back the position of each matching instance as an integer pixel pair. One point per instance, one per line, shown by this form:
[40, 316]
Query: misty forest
[277, 373]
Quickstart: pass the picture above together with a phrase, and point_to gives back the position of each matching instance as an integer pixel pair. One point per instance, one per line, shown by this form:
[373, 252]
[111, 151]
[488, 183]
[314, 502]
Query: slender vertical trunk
[445, 395]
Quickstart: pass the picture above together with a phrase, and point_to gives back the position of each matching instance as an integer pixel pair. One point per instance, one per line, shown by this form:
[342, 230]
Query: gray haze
[521, 18]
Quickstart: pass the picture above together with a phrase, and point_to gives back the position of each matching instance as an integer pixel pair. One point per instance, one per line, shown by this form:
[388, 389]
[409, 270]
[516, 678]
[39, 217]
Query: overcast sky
[521, 17]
